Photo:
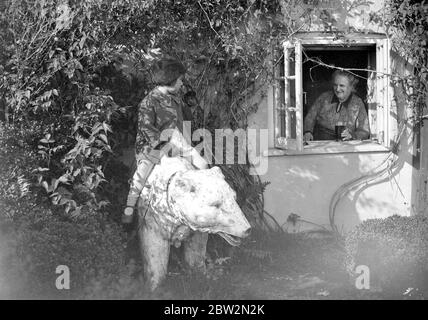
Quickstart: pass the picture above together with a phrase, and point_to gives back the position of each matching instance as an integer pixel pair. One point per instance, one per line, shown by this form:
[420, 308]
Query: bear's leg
[155, 253]
[195, 249]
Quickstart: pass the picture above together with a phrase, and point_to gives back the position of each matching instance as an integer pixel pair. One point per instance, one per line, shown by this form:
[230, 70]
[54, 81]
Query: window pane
[288, 89]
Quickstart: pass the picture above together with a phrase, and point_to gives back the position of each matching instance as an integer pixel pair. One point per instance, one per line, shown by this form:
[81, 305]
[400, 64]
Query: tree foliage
[407, 25]
[73, 72]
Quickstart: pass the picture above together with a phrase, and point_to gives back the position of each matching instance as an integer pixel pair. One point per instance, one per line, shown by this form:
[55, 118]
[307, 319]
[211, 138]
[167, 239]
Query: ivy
[407, 25]
[78, 69]
[54, 51]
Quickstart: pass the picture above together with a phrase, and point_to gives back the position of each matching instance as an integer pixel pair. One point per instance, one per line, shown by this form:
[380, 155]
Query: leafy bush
[40, 241]
[36, 237]
[17, 162]
[395, 250]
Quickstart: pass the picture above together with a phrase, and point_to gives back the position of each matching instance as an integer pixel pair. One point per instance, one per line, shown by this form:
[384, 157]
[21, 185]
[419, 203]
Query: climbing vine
[407, 25]
[73, 73]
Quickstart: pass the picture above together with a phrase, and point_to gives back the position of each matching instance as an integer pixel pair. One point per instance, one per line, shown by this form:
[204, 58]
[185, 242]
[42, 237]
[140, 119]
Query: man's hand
[200, 163]
[128, 211]
[346, 135]
[308, 137]
[127, 215]
[197, 160]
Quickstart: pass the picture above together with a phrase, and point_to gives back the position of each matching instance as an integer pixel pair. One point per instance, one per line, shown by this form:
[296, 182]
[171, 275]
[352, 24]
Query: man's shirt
[156, 112]
[327, 112]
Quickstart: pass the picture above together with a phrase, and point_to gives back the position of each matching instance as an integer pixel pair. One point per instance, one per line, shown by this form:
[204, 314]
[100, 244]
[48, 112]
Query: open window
[305, 72]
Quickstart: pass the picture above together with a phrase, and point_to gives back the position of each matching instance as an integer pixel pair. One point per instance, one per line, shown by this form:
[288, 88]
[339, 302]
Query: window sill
[330, 147]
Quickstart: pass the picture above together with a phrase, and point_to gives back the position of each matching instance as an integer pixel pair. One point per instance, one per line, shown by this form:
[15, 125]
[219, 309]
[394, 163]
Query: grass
[278, 266]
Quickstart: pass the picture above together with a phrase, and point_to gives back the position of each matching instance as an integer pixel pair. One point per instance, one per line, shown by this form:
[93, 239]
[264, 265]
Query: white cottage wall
[304, 184]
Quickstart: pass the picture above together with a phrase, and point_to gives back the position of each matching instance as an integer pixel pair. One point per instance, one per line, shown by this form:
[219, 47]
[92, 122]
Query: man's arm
[138, 181]
[312, 115]
[147, 126]
[362, 130]
[197, 160]
[147, 120]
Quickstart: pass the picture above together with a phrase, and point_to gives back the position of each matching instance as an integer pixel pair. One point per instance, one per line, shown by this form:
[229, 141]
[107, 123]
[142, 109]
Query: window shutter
[371, 95]
[383, 90]
[289, 99]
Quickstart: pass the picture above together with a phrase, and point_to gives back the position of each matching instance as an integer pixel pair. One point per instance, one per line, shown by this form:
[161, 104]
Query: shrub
[17, 160]
[41, 242]
[36, 237]
[396, 251]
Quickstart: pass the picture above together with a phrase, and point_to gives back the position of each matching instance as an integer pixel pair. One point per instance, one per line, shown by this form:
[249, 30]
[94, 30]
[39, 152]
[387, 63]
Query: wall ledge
[330, 147]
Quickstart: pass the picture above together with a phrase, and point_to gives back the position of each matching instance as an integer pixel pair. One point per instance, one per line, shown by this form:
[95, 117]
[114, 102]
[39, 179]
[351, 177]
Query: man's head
[344, 84]
[169, 72]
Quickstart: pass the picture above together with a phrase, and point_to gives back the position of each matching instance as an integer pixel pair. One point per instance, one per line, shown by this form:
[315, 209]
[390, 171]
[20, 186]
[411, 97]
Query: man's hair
[352, 79]
[166, 71]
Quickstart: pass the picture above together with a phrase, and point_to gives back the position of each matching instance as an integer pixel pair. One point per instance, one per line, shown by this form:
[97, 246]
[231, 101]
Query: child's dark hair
[167, 71]
[189, 98]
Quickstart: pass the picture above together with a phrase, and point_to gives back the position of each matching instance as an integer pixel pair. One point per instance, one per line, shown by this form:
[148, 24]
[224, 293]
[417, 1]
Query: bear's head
[205, 202]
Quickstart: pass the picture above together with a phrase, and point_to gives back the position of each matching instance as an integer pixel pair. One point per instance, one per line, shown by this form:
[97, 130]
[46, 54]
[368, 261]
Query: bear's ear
[184, 184]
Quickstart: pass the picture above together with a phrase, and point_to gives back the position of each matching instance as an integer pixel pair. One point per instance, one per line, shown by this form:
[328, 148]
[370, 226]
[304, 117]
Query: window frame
[379, 116]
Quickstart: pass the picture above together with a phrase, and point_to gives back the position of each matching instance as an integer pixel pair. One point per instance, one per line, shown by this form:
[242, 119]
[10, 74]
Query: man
[160, 110]
[339, 106]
